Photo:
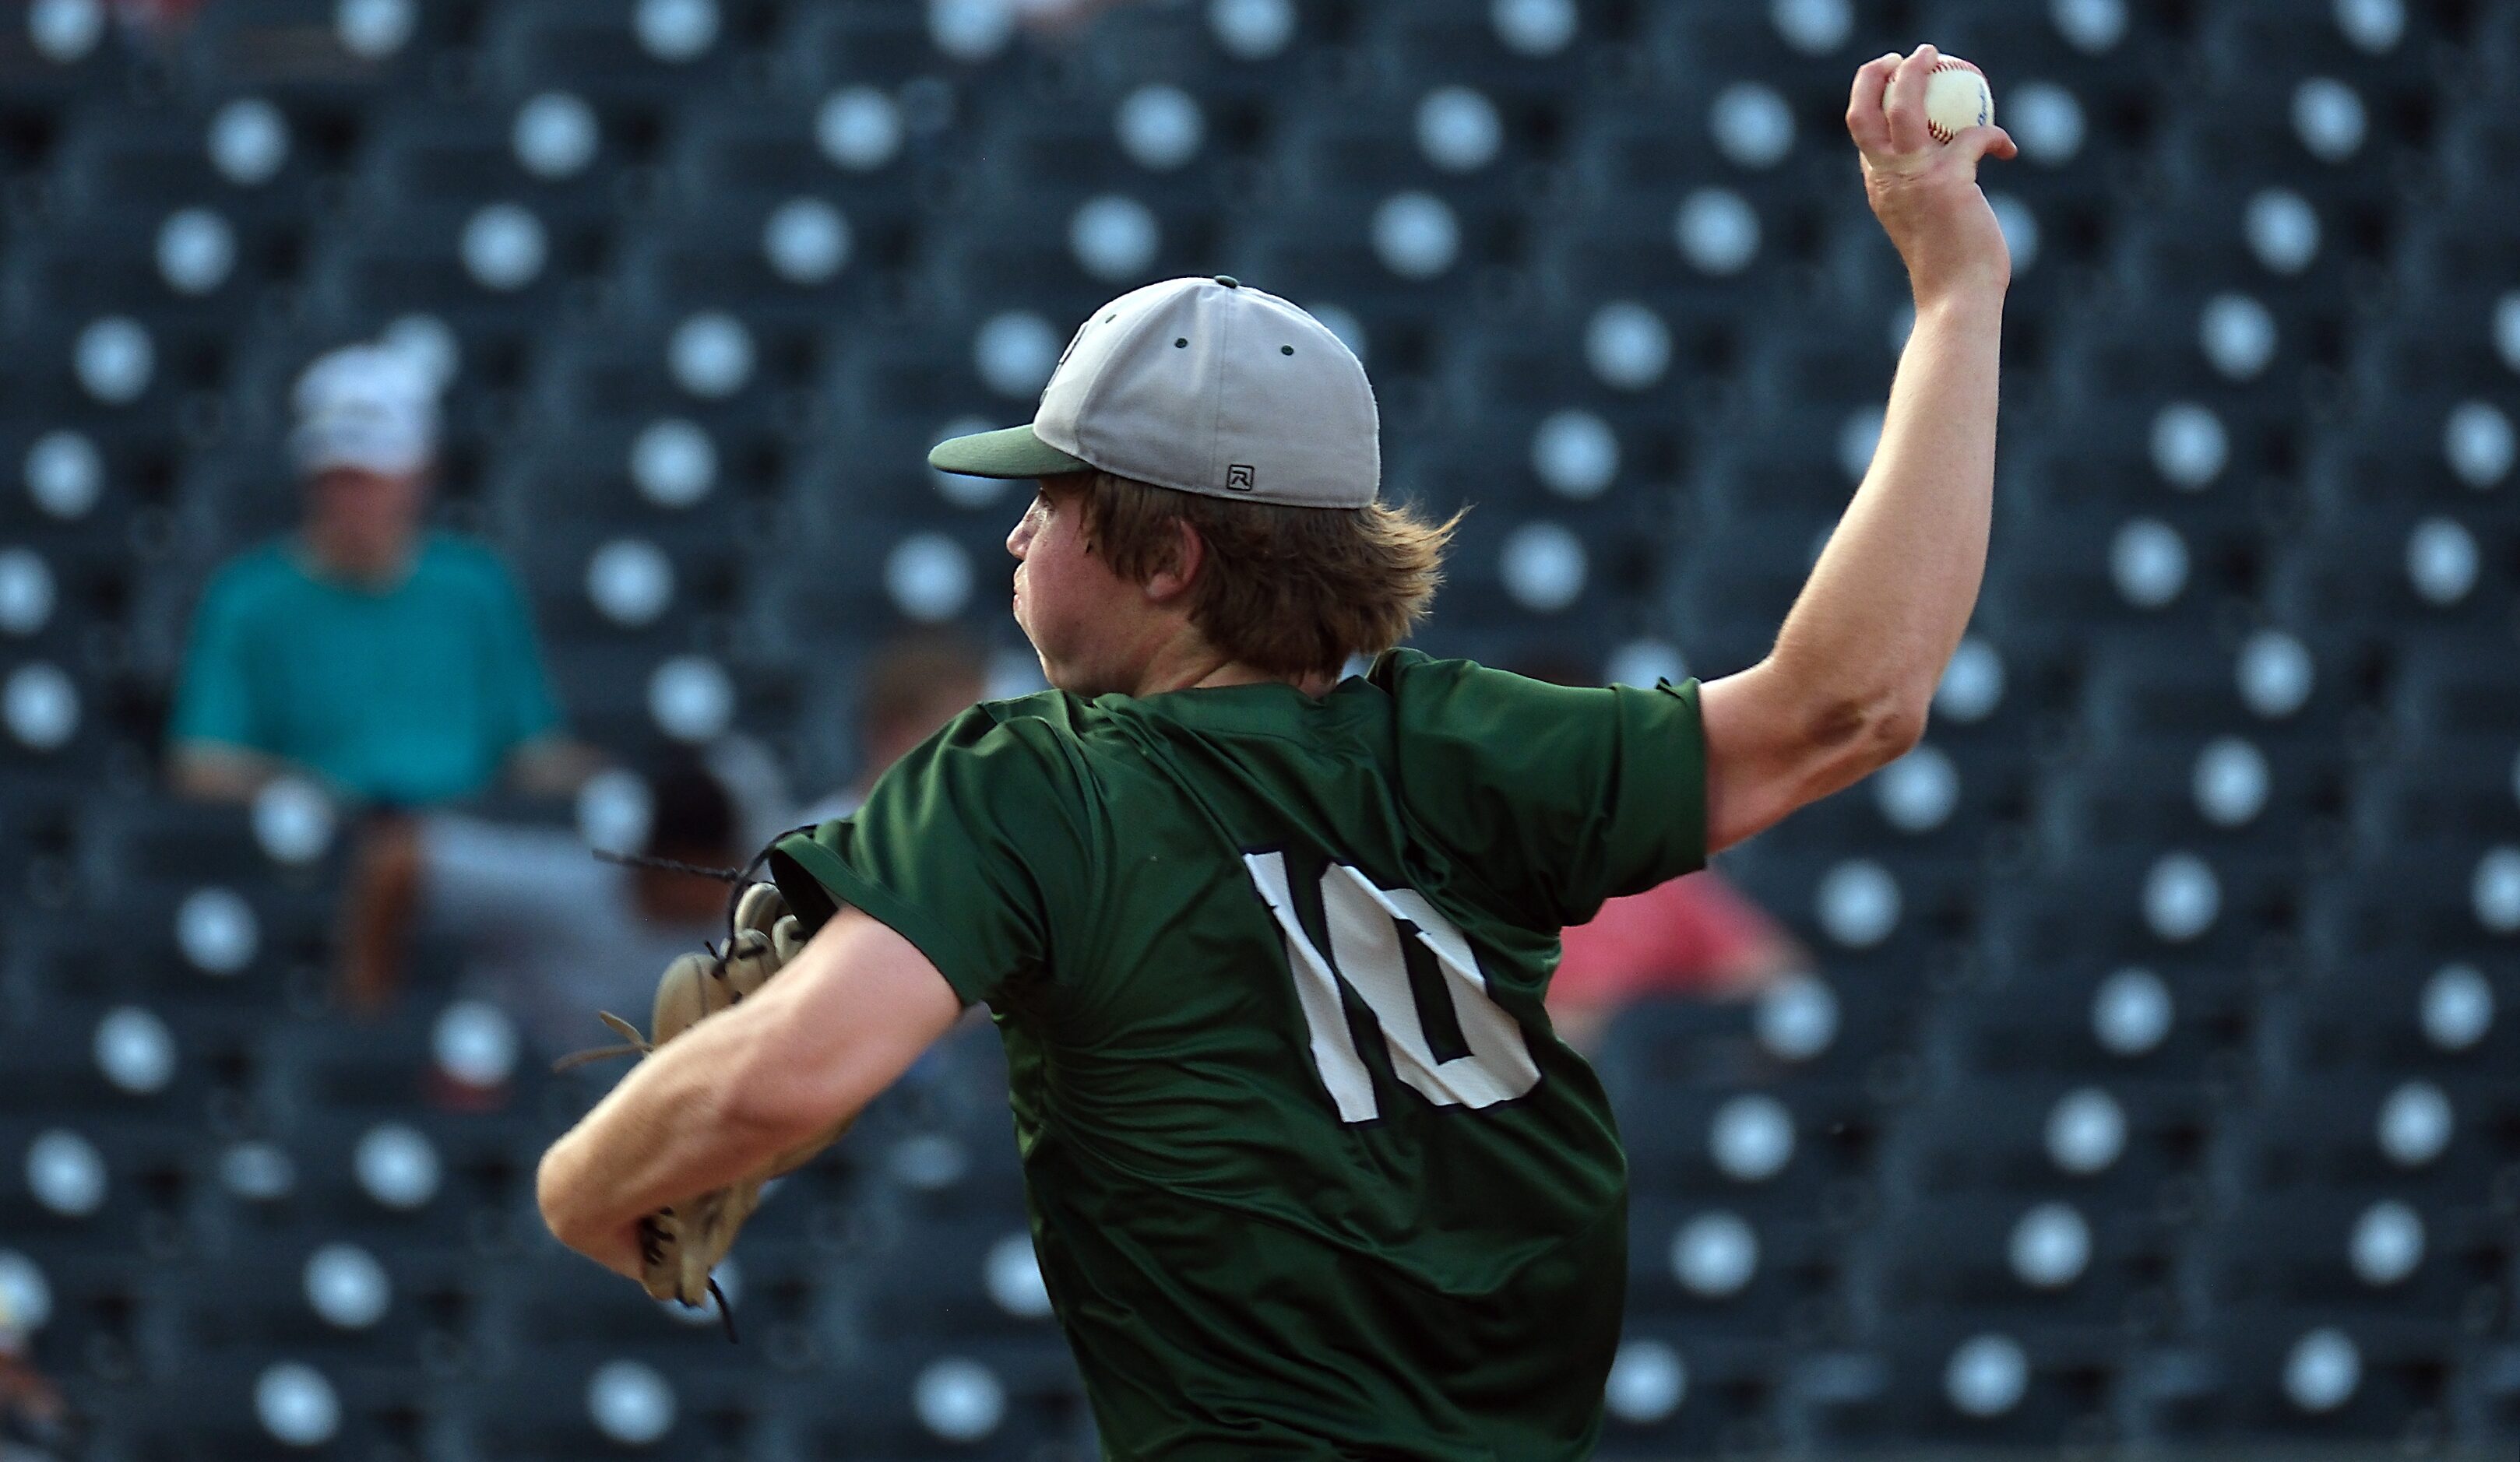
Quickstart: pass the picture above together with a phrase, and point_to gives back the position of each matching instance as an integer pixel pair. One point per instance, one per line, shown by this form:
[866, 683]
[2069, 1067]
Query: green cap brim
[1012, 453]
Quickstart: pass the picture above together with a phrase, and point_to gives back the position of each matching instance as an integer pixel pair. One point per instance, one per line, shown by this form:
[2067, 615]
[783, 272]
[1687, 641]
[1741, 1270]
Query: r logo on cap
[1238, 477]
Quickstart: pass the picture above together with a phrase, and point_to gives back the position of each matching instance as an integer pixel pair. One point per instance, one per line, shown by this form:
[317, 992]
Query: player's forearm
[1886, 604]
[669, 1131]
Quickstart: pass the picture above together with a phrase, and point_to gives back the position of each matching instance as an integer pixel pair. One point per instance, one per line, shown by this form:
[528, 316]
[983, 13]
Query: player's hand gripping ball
[1957, 99]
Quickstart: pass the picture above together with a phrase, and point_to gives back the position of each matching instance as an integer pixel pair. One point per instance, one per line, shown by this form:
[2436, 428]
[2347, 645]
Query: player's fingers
[1902, 104]
[1864, 119]
[1976, 143]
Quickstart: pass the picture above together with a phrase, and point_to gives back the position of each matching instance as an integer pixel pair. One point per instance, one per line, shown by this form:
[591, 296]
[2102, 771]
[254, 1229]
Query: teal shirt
[412, 694]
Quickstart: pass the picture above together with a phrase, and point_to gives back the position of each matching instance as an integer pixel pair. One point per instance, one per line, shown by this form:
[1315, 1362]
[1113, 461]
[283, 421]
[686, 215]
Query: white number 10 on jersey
[1366, 924]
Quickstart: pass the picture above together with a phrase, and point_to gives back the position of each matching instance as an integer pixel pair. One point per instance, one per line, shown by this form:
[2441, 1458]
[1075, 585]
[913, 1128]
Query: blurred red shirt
[1687, 937]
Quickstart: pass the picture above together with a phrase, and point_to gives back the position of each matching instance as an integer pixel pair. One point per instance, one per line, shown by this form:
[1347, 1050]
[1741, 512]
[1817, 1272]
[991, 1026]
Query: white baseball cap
[370, 407]
[1202, 385]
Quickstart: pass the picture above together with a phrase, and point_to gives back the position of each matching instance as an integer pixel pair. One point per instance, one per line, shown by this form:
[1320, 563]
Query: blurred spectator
[1693, 935]
[34, 1416]
[913, 687]
[395, 665]
[548, 932]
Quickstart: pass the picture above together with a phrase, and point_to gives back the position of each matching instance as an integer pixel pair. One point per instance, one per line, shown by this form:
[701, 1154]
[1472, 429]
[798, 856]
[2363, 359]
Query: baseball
[1957, 99]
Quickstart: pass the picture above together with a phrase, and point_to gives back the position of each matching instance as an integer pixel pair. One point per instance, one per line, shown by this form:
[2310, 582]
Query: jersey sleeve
[973, 847]
[1558, 797]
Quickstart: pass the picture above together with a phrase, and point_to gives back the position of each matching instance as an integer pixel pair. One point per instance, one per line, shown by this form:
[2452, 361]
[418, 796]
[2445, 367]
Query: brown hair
[1285, 589]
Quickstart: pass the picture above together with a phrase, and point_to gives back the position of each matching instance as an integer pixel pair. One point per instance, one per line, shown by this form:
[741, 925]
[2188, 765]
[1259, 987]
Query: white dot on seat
[346, 1286]
[1987, 1376]
[2086, 1132]
[2182, 897]
[2323, 1371]
[2189, 446]
[2441, 560]
[630, 1402]
[710, 355]
[1715, 1255]
[134, 1049]
[1751, 1138]
[374, 30]
[1544, 567]
[2477, 443]
[66, 1172]
[554, 136]
[2282, 230]
[248, 140]
[2051, 1246]
[690, 698]
[1113, 236]
[1014, 353]
[2274, 673]
[64, 475]
[2414, 1123]
[959, 1399]
[929, 577]
[631, 580]
[2237, 334]
[65, 30]
[2387, 1244]
[1012, 1275]
[1533, 28]
[2046, 121]
[1415, 235]
[1251, 30]
[1972, 683]
[1626, 345]
[395, 1165]
[1647, 1382]
[195, 250]
[1575, 453]
[217, 931]
[1919, 791]
[2131, 1012]
[295, 1404]
[1459, 128]
[2091, 27]
[1717, 231]
[858, 129]
[1753, 127]
[673, 462]
[1857, 904]
[504, 248]
[114, 358]
[675, 30]
[2330, 118]
[25, 592]
[2148, 562]
[1160, 126]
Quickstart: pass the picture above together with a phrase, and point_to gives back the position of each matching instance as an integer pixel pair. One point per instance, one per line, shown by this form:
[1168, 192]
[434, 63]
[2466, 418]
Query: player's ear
[1174, 578]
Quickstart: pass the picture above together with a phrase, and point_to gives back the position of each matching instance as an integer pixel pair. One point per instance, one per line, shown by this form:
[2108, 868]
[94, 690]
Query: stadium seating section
[2156, 1085]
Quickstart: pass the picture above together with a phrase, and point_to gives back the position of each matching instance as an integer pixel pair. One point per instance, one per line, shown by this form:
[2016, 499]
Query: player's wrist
[1968, 295]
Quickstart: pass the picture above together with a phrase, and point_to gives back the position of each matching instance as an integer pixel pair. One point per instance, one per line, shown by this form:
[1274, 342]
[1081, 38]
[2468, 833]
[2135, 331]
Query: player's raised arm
[1853, 668]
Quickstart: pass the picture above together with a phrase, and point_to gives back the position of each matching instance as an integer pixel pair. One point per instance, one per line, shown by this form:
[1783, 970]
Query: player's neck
[1197, 666]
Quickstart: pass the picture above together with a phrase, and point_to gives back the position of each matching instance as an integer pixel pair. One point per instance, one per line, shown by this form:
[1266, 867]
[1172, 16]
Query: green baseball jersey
[1309, 1174]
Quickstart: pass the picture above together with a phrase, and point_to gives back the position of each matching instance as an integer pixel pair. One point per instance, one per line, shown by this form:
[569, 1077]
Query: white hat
[370, 407]
[1202, 385]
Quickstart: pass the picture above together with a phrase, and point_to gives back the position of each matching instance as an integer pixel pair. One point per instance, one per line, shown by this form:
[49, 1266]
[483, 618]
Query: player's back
[1307, 1170]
